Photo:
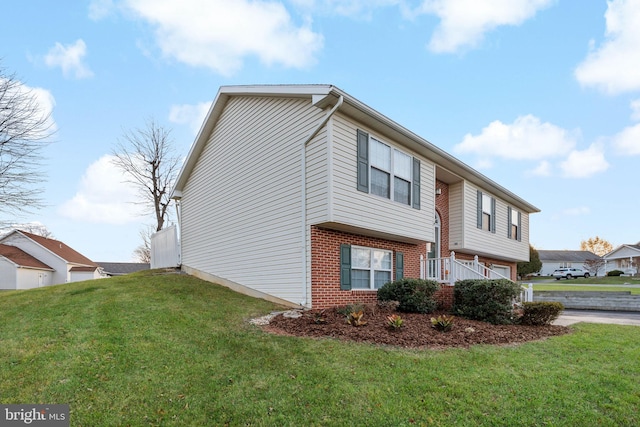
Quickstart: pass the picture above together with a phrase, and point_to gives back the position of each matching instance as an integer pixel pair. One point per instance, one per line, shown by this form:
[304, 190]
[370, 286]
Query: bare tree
[596, 245]
[593, 266]
[24, 130]
[146, 157]
[143, 252]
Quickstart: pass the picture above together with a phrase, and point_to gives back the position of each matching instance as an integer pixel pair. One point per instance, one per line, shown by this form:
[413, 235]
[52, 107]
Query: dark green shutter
[416, 183]
[363, 161]
[479, 221]
[509, 233]
[519, 233]
[399, 265]
[345, 267]
[493, 215]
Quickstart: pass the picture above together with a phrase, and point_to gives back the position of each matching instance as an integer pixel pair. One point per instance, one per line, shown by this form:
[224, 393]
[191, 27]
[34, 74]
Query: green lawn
[578, 287]
[172, 350]
[614, 280]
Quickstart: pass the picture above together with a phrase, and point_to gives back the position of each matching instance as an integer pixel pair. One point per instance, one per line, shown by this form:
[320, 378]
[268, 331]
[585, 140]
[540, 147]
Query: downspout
[321, 124]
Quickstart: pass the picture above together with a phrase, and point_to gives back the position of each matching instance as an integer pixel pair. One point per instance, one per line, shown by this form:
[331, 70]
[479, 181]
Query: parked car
[570, 273]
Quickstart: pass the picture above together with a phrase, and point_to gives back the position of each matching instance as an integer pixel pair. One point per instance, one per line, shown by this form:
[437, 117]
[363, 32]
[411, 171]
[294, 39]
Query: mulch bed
[416, 331]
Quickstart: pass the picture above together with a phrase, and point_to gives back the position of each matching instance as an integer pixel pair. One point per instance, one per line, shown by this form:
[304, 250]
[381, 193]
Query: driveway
[569, 317]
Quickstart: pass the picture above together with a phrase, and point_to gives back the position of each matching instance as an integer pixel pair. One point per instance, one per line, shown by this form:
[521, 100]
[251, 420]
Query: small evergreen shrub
[442, 323]
[486, 300]
[615, 273]
[540, 313]
[413, 295]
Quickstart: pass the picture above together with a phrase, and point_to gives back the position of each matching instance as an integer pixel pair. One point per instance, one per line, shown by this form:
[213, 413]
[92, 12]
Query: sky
[541, 96]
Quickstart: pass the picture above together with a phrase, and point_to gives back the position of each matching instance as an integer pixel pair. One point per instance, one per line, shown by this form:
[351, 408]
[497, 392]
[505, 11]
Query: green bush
[540, 313]
[487, 300]
[413, 295]
[615, 273]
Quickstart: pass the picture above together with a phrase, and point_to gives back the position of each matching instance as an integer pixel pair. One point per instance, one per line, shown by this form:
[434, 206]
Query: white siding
[60, 275]
[496, 244]
[30, 278]
[241, 206]
[7, 274]
[623, 252]
[456, 216]
[366, 211]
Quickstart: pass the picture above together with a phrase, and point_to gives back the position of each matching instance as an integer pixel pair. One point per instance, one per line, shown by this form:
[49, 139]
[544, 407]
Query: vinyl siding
[7, 274]
[60, 275]
[456, 217]
[492, 244]
[367, 211]
[241, 206]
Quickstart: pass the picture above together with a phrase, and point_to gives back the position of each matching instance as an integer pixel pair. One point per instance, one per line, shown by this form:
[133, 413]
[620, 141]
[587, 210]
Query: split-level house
[304, 195]
[30, 261]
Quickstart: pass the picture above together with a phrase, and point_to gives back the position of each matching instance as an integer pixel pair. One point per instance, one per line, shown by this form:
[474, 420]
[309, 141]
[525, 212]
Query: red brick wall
[325, 265]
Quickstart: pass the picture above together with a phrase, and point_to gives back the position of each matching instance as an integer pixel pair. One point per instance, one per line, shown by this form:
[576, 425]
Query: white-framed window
[370, 267]
[387, 171]
[486, 212]
[514, 225]
[390, 172]
[564, 264]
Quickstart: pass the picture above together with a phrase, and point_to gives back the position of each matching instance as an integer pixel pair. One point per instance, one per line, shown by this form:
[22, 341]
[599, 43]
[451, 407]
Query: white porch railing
[449, 270]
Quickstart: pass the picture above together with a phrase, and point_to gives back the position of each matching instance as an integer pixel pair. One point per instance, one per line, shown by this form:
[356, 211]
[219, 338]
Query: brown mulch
[416, 331]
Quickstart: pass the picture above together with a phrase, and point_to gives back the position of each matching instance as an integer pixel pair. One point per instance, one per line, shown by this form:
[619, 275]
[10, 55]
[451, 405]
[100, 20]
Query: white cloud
[69, 58]
[543, 169]
[613, 67]
[526, 138]
[44, 104]
[627, 142]
[103, 196]
[351, 8]
[463, 23]
[219, 34]
[635, 110]
[99, 9]
[191, 115]
[585, 163]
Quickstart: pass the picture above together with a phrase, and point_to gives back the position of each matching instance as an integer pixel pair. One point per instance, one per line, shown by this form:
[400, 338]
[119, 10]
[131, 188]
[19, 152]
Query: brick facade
[325, 265]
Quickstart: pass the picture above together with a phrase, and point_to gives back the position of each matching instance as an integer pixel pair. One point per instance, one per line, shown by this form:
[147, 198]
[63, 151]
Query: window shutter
[416, 183]
[479, 221]
[493, 215]
[519, 233]
[399, 265]
[363, 161]
[509, 233]
[345, 267]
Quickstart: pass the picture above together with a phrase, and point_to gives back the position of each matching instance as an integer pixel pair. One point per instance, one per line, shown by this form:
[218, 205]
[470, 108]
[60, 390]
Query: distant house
[305, 195]
[552, 260]
[110, 269]
[30, 261]
[625, 258]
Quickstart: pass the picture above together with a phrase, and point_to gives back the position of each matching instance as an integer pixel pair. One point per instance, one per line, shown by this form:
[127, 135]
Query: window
[514, 219]
[486, 212]
[387, 172]
[564, 264]
[367, 268]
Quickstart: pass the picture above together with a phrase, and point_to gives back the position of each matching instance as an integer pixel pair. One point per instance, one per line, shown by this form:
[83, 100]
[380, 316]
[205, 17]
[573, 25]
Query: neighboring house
[19, 270]
[49, 261]
[625, 258]
[304, 195]
[110, 269]
[553, 260]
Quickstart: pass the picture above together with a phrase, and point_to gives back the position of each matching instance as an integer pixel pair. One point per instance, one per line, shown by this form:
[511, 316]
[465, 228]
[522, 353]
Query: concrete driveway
[569, 317]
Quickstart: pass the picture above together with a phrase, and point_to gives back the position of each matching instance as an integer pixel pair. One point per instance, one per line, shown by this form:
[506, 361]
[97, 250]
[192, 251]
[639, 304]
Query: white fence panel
[165, 248]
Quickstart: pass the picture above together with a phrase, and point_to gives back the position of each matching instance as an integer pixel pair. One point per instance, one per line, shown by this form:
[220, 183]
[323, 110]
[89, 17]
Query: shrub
[486, 300]
[540, 313]
[394, 321]
[615, 273]
[355, 318]
[413, 295]
[442, 323]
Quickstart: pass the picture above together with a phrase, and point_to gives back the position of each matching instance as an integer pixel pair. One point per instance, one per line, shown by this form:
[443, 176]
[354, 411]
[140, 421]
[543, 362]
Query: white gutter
[321, 124]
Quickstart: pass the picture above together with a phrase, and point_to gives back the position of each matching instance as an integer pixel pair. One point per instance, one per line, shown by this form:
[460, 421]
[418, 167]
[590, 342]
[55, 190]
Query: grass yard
[578, 287]
[172, 350]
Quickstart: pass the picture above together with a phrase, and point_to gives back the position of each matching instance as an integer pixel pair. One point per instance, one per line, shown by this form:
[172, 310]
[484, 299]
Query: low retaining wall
[588, 300]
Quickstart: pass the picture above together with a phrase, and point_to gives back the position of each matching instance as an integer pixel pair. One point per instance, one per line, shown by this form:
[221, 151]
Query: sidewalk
[569, 317]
